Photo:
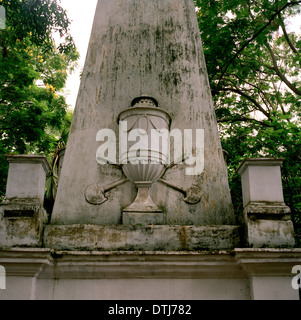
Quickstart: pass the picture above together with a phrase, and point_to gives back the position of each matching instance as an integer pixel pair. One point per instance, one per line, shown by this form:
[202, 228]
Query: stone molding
[17, 158]
[259, 162]
[239, 263]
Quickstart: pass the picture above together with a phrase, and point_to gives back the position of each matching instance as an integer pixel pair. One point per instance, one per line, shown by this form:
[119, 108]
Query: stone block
[26, 177]
[270, 233]
[144, 238]
[21, 223]
[268, 225]
[261, 180]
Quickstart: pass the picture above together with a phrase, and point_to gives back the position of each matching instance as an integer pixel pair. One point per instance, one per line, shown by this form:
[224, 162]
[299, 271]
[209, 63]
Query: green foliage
[254, 70]
[34, 71]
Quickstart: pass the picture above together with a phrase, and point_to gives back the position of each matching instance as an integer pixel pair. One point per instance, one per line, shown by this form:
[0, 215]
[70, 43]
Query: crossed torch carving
[145, 110]
[96, 194]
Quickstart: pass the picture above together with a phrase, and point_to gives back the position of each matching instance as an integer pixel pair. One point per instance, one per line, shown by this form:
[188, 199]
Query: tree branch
[244, 119]
[243, 94]
[289, 4]
[280, 74]
[262, 94]
[286, 35]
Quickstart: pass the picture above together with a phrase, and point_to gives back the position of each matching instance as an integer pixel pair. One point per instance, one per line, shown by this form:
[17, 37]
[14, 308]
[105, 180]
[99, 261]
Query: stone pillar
[21, 213]
[266, 218]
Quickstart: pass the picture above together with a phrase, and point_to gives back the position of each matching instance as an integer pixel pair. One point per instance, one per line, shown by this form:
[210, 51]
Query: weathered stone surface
[268, 224]
[142, 218]
[153, 48]
[145, 238]
[21, 223]
[270, 210]
[26, 176]
[270, 233]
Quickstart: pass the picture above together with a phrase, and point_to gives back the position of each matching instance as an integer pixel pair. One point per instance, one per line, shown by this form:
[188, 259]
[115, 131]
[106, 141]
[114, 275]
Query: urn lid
[145, 106]
[145, 101]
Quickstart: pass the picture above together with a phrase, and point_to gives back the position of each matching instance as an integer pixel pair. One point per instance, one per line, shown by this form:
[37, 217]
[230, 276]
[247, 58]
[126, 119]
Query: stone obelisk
[143, 48]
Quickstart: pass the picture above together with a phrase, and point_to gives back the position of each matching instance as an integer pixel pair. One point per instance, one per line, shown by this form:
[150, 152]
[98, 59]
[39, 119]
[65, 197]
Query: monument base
[144, 238]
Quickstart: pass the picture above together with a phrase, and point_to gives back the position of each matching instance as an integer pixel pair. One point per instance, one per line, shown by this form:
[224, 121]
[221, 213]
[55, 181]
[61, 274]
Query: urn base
[143, 210]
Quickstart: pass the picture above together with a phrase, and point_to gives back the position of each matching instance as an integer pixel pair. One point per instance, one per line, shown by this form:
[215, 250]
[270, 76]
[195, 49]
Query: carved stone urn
[147, 152]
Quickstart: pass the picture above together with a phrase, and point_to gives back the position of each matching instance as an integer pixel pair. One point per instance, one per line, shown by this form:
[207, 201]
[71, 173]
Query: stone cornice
[17, 158]
[238, 263]
[258, 162]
